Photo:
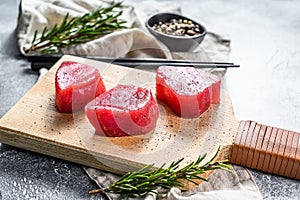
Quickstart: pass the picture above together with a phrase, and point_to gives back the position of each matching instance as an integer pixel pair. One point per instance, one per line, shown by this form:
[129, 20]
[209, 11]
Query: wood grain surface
[34, 124]
[268, 149]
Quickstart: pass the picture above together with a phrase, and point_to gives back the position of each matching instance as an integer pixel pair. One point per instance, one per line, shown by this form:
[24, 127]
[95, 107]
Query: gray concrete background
[265, 42]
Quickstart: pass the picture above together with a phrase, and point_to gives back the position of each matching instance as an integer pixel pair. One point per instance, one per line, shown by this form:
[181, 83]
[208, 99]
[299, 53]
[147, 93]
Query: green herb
[147, 180]
[78, 30]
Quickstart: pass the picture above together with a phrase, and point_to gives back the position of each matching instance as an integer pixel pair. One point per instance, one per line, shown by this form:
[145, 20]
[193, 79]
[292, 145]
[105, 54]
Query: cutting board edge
[69, 153]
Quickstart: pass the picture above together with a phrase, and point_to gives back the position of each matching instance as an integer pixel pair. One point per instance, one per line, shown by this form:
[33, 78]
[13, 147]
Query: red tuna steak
[186, 90]
[214, 84]
[122, 111]
[76, 84]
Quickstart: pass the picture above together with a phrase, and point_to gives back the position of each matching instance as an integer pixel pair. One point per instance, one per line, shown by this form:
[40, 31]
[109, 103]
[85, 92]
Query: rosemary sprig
[146, 180]
[91, 25]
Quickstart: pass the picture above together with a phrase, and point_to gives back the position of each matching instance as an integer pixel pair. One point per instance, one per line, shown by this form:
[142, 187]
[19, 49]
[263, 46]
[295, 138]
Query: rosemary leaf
[78, 30]
[34, 36]
[148, 180]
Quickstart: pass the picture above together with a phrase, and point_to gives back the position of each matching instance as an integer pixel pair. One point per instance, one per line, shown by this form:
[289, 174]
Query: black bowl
[175, 43]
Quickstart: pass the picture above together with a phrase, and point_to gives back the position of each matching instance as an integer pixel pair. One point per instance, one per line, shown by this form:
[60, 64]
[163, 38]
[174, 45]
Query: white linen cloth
[36, 14]
[136, 42]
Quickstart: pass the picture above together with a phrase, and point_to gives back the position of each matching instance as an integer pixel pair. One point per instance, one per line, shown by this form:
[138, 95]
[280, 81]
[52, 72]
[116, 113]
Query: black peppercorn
[178, 27]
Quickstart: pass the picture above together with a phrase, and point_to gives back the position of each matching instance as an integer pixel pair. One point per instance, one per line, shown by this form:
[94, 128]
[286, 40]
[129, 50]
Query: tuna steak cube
[186, 90]
[123, 111]
[76, 84]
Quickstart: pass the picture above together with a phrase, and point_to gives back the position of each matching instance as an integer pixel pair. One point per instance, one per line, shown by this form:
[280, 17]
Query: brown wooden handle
[268, 149]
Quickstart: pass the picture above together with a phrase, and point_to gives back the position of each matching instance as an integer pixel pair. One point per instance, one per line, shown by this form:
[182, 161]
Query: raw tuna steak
[122, 111]
[214, 84]
[186, 90]
[76, 84]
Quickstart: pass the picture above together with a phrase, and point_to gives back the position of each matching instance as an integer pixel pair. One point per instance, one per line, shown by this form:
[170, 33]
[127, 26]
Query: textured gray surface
[265, 41]
[23, 174]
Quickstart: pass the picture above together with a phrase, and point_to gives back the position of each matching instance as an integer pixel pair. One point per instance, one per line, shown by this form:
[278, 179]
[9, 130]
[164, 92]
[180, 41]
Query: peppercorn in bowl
[177, 32]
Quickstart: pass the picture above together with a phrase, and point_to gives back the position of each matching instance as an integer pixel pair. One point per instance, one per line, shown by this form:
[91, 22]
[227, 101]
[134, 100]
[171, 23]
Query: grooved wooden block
[286, 154]
[295, 172]
[235, 150]
[248, 143]
[292, 155]
[270, 149]
[252, 144]
[258, 146]
[282, 146]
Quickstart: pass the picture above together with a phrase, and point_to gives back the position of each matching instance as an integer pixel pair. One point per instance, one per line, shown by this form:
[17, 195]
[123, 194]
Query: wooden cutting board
[34, 124]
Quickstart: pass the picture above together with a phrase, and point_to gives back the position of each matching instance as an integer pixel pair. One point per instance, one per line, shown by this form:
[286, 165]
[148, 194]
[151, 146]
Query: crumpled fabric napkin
[222, 185]
[137, 42]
